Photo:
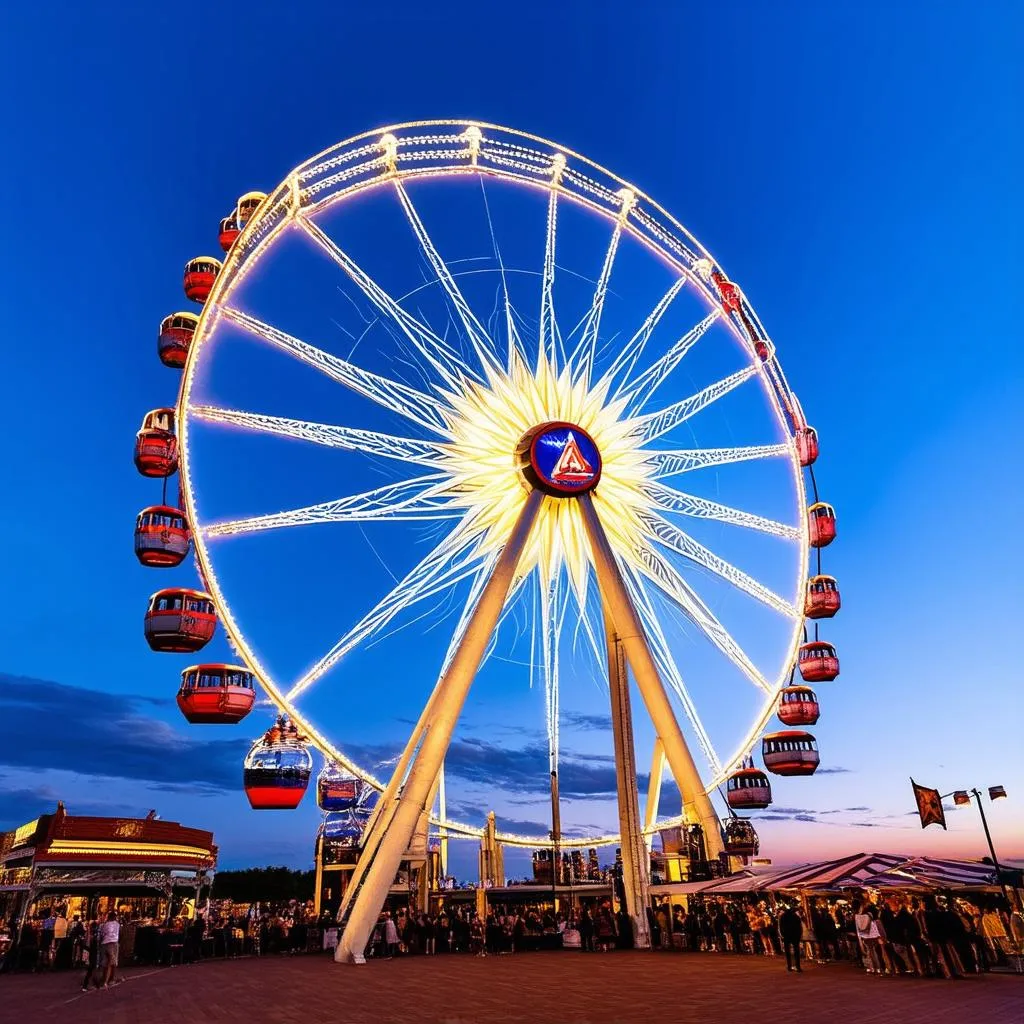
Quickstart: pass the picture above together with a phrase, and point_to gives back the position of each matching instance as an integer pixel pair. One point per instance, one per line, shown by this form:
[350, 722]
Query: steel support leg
[654, 790]
[635, 859]
[448, 700]
[696, 803]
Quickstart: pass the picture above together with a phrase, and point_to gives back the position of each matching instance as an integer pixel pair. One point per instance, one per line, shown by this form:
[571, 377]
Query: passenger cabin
[790, 753]
[822, 600]
[798, 705]
[156, 447]
[818, 662]
[277, 768]
[821, 524]
[748, 788]
[162, 537]
[216, 694]
[175, 338]
[180, 621]
[200, 275]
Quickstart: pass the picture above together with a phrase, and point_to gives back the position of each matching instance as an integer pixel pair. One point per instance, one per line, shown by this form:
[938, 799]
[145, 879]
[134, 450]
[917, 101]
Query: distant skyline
[858, 176]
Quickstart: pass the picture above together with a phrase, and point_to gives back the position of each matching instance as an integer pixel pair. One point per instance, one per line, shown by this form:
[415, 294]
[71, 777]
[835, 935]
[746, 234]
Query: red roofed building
[90, 864]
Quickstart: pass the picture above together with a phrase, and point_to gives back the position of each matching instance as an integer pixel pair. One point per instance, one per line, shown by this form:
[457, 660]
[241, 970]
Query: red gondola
[156, 447]
[247, 206]
[162, 537]
[818, 662]
[822, 600]
[728, 292]
[798, 705]
[229, 231]
[821, 524]
[748, 788]
[277, 768]
[790, 753]
[200, 274]
[172, 344]
[741, 838]
[807, 445]
[216, 694]
[180, 620]
[762, 349]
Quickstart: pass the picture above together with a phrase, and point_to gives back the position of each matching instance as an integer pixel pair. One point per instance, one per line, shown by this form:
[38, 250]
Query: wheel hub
[560, 459]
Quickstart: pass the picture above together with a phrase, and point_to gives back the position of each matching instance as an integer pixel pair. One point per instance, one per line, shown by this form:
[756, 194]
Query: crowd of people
[899, 933]
[504, 931]
[928, 936]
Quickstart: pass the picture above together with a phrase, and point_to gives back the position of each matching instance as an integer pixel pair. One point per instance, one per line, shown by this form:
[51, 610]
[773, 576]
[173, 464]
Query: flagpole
[992, 850]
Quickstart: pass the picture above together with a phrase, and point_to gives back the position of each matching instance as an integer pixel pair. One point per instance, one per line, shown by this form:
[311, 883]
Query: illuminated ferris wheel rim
[436, 149]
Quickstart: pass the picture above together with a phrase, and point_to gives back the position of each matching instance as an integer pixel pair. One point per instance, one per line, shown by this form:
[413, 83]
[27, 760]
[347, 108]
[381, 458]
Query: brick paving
[535, 988]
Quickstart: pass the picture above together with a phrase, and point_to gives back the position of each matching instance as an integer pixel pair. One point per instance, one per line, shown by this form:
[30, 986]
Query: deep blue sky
[856, 168]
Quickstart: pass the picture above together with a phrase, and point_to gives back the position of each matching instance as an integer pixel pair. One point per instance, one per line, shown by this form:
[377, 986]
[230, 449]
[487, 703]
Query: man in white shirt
[110, 936]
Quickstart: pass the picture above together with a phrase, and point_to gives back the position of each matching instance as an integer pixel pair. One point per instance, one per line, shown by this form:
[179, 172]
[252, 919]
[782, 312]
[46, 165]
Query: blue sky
[857, 172]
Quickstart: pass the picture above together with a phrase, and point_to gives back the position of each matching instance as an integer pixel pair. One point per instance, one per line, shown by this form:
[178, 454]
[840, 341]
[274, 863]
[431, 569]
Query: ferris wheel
[527, 366]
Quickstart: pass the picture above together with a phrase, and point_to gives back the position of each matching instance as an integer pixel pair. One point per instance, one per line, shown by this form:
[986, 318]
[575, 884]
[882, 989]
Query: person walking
[791, 927]
[390, 936]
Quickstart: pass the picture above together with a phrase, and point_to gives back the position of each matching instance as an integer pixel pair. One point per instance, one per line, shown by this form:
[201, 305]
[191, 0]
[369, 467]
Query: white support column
[696, 803]
[450, 696]
[635, 858]
[654, 790]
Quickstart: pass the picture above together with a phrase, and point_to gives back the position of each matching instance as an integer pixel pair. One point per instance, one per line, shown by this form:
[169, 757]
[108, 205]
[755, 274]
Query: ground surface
[537, 988]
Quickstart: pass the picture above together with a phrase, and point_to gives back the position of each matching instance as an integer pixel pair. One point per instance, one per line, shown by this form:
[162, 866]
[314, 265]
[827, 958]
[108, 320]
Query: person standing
[586, 926]
[791, 926]
[390, 936]
[110, 937]
[92, 956]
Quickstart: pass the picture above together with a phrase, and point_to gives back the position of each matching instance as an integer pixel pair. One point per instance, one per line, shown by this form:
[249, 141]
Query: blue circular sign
[563, 459]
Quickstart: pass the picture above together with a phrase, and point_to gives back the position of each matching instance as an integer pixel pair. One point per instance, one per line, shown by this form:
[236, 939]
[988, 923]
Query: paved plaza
[537, 988]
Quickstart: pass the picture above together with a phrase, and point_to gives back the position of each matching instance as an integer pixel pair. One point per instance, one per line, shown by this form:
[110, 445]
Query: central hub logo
[560, 459]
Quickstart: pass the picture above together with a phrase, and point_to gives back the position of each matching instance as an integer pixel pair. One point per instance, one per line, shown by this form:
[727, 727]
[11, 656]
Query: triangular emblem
[571, 465]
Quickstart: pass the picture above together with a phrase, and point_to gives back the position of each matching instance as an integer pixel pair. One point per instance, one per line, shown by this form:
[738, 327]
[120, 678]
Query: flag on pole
[961, 797]
[995, 792]
[929, 805]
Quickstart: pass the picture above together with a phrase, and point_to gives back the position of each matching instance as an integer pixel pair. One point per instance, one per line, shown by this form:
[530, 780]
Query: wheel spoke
[667, 665]
[666, 499]
[581, 362]
[475, 331]
[436, 351]
[550, 344]
[685, 460]
[661, 530]
[640, 390]
[671, 583]
[455, 558]
[370, 442]
[630, 353]
[426, 410]
[421, 498]
[655, 424]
